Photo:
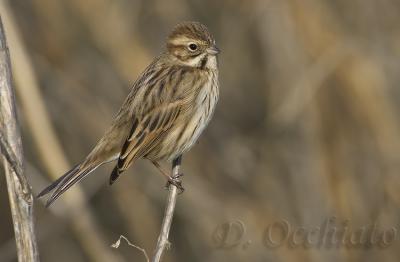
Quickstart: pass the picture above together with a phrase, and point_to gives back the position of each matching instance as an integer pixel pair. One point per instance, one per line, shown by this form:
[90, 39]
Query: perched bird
[165, 112]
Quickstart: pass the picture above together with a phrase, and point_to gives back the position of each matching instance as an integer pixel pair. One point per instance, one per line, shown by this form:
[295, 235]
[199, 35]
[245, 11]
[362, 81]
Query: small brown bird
[165, 112]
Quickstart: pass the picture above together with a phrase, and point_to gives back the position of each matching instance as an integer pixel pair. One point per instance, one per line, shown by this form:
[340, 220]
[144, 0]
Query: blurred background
[306, 128]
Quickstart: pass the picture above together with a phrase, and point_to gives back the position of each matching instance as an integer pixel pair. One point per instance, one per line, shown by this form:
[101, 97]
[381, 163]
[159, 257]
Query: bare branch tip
[118, 243]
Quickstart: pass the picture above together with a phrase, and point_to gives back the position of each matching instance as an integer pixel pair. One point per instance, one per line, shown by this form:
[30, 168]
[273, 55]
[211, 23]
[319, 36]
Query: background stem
[20, 196]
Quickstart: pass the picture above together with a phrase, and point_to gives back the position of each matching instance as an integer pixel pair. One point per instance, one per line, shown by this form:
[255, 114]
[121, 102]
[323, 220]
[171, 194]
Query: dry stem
[163, 242]
[118, 243]
[21, 200]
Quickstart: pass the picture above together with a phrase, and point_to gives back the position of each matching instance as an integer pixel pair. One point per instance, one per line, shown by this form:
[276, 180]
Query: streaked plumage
[165, 112]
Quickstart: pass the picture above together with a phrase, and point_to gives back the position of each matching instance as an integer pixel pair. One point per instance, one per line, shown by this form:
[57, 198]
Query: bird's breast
[187, 129]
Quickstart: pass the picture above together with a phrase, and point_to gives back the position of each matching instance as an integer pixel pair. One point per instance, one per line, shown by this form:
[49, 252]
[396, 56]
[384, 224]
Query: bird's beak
[213, 50]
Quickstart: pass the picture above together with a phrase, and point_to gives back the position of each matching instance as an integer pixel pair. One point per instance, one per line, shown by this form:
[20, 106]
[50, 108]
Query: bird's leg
[162, 171]
[172, 179]
[175, 178]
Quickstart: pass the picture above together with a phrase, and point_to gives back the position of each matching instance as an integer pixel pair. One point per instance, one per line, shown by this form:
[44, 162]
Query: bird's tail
[67, 180]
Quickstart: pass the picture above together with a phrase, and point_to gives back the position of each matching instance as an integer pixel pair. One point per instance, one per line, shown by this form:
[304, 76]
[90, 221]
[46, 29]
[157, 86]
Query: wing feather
[148, 134]
[154, 116]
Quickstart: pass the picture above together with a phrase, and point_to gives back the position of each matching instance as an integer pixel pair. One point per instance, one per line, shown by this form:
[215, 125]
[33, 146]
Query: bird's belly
[187, 129]
[184, 135]
[192, 131]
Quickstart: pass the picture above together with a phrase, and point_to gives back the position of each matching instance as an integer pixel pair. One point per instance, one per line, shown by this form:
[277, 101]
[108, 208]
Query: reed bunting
[167, 109]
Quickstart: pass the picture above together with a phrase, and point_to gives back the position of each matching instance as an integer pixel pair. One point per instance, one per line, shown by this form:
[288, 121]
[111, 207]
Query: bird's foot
[176, 181]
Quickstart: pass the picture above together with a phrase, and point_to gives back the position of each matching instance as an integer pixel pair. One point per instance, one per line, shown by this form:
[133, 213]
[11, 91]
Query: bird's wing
[146, 133]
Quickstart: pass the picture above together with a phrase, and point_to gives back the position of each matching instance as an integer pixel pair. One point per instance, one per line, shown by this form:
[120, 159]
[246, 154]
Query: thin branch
[49, 150]
[163, 242]
[21, 199]
[118, 243]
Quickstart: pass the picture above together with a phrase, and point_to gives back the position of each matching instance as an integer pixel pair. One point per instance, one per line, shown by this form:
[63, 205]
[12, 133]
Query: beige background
[307, 127]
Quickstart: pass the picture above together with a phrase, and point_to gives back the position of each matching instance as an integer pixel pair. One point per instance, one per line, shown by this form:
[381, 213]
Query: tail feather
[63, 183]
[55, 183]
[115, 174]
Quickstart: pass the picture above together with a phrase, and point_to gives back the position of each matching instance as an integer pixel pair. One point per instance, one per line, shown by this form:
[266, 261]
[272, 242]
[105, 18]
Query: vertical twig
[21, 200]
[163, 242]
[48, 147]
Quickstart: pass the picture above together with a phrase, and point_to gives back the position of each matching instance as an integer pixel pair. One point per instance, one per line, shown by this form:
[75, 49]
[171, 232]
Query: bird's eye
[192, 47]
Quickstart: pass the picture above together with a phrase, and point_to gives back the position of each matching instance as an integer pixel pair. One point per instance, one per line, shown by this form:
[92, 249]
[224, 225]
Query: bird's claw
[176, 181]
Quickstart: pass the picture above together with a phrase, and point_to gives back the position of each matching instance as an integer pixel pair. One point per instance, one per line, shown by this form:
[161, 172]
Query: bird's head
[192, 45]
